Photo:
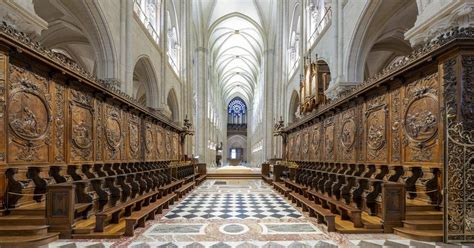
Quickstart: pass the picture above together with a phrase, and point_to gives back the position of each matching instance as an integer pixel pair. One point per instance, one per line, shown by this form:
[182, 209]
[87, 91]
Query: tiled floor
[236, 213]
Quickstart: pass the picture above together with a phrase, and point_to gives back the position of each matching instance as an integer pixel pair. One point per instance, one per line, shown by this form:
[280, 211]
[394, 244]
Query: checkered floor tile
[233, 206]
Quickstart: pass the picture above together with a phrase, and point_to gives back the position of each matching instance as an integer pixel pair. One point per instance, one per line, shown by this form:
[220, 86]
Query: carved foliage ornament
[134, 145]
[149, 139]
[82, 114]
[376, 127]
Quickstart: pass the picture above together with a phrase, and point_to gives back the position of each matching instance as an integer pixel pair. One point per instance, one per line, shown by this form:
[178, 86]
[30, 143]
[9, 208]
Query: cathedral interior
[236, 123]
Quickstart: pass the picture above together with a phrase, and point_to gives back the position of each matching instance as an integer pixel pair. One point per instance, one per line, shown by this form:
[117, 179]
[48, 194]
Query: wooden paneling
[396, 126]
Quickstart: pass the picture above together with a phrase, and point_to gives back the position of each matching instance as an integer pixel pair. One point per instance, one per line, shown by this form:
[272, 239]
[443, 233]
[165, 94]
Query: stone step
[28, 241]
[22, 220]
[423, 224]
[424, 215]
[422, 235]
[23, 230]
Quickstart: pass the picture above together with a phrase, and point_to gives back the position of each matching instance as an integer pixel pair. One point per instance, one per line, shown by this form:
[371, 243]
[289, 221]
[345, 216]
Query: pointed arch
[173, 105]
[293, 106]
[145, 84]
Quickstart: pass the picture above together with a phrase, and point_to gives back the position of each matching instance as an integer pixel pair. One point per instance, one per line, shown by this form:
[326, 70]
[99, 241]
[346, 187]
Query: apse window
[233, 154]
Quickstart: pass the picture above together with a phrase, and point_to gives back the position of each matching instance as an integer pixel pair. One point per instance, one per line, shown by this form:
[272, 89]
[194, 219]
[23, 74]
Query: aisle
[233, 213]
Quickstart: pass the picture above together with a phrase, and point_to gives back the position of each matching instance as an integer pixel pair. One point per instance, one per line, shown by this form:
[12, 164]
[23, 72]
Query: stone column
[201, 104]
[339, 82]
[126, 62]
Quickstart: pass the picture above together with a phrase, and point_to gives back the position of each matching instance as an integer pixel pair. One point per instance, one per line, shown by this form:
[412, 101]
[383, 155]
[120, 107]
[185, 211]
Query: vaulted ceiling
[236, 33]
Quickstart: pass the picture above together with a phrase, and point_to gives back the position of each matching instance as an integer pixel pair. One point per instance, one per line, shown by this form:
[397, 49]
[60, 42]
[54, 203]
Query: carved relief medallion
[29, 112]
[348, 134]
[29, 116]
[149, 139]
[134, 144]
[113, 130]
[421, 118]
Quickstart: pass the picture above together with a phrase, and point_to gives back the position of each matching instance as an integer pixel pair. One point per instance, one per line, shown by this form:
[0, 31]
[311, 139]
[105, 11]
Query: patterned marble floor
[233, 213]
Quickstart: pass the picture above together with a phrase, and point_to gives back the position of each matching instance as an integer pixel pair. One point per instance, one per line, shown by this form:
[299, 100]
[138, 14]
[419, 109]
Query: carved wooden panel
[176, 146]
[59, 124]
[134, 139]
[150, 141]
[168, 145]
[421, 120]
[297, 146]
[396, 124]
[29, 116]
[347, 135]
[113, 132]
[376, 128]
[81, 123]
[316, 134]
[304, 144]
[329, 150]
[160, 140]
[99, 130]
[3, 79]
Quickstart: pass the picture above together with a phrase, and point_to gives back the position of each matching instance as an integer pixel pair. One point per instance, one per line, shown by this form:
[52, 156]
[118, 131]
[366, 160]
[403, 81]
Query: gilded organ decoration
[421, 118]
[81, 112]
[29, 116]
[376, 115]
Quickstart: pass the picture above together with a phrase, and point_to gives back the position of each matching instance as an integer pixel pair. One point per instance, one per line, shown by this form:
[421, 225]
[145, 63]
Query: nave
[241, 213]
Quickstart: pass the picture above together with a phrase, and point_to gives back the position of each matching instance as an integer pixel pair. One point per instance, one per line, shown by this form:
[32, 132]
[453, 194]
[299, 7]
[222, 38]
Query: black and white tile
[233, 206]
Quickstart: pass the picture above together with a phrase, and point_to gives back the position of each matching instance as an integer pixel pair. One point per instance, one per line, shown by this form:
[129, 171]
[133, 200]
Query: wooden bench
[138, 219]
[81, 210]
[171, 187]
[114, 212]
[322, 215]
[267, 179]
[184, 189]
[200, 179]
[280, 187]
[300, 189]
[347, 212]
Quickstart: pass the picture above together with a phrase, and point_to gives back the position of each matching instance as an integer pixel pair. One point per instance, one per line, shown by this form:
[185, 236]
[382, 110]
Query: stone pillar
[201, 104]
[126, 61]
[438, 17]
[22, 16]
[339, 82]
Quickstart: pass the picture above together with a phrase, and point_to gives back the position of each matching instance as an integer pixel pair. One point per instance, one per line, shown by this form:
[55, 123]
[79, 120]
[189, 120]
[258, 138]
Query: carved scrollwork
[82, 116]
[304, 155]
[329, 138]
[316, 140]
[59, 123]
[168, 144]
[396, 123]
[376, 115]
